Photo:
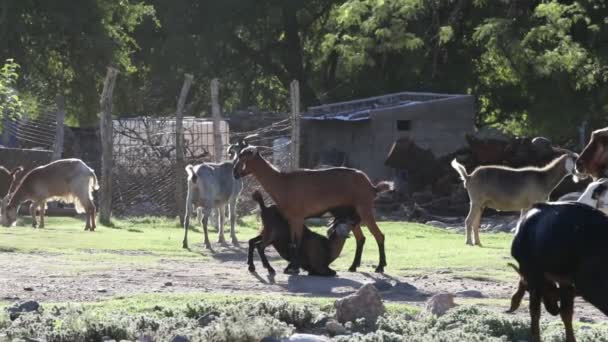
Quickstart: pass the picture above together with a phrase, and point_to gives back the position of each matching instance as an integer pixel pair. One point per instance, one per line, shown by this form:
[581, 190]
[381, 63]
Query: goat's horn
[255, 135]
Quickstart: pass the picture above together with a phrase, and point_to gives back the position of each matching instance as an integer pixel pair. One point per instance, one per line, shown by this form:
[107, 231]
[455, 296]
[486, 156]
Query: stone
[308, 338]
[29, 289]
[383, 285]
[586, 320]
[334, 328]
[168, 283]
[207, 318]
[145, 338]
[180, 338]
[16, 310]
[107, 339]
[365, 303]
[438, 305]
[270, 339]
[102, 290]
[470, 294]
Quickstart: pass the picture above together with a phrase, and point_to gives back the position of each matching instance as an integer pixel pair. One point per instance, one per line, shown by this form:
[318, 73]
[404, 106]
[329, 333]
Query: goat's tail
[191, 173]
[384, 186]
[257, 196]
[462, 171]
[94, 183]
[514, 267]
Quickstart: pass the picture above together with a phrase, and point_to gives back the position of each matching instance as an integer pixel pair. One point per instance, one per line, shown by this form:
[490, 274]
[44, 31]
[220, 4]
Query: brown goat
[306, 193]
[318, 252]
[68, 180]
[594, 158]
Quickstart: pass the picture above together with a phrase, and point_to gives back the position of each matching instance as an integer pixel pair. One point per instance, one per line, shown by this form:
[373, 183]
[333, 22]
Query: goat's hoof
[271, 271]
[478, 244]
[251, 268]
[380, 269]
[292, 270]
[184, 245]
[352, 269]
[470, 243]
[235, 243]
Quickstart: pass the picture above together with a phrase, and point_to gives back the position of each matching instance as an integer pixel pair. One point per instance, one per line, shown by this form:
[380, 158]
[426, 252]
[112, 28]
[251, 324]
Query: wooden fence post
[180, 200]
[60, 117]
[107, 161]
[295, 124]
[217, 117]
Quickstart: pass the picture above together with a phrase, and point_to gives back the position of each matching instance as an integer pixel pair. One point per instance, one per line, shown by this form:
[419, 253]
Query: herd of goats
[560, 247]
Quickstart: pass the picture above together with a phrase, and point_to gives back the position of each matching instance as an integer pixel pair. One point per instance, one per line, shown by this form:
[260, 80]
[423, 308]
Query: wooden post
[107, 161]
[60, 116]
[180, 199]
[217, 117]
[295, 124]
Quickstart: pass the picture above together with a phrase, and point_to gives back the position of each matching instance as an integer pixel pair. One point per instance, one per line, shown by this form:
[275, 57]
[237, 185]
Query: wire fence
[145, 170]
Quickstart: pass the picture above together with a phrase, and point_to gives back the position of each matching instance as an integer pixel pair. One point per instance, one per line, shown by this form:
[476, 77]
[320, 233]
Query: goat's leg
[296, 226]
[206, 214]
[367, 217]
[187, 219]
[535, 301]
[517, 297]
[566, 297]
[42, 207]
[469, 222]
[232, 212]
[261, 246]
[33, 206]
[220, 223]
[360, 238]
[89, 214]
[476, 226]
[252, 245]
[93, 214]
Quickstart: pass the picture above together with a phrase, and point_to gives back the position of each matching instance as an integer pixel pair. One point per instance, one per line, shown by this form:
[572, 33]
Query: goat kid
[509, 189]
[561, 252]
[65, 180]
[305, 193]
[318, 252]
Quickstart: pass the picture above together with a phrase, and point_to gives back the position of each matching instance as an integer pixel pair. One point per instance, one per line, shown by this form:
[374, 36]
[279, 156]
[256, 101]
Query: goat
[317, 251]
[7, 180]
[66, 180]
[561, 252]
[509, 189]
[305, 193]
[594, 158]
[595, 195]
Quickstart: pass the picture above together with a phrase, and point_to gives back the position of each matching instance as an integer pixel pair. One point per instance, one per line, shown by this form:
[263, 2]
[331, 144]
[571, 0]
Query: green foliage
[9, 98]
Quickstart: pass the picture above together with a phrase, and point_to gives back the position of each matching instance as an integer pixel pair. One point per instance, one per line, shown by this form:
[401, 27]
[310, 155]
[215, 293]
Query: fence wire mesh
[146, 171]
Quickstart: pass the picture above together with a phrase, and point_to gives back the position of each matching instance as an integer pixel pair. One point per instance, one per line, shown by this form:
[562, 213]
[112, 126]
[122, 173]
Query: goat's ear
[17, 171]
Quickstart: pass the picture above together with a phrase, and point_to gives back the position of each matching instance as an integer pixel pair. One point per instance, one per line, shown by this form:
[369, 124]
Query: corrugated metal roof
[362, 113]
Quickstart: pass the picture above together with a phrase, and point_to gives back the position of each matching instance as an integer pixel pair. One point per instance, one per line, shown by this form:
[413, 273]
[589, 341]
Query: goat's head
[235, 149]
[8, 212]
[240, 166]
[594, 158]
[340, 229]
[570, 166]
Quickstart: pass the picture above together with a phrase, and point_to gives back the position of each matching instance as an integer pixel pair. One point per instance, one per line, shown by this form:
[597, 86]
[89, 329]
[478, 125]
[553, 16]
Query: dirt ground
[52, 278]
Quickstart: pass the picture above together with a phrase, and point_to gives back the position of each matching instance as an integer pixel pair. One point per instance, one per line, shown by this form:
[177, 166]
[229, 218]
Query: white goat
[510, 189]
[595, 195]
[66, 180]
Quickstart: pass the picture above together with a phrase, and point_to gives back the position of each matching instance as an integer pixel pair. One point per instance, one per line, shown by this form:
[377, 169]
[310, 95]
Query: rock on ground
[180, 338]
[307, 338]
[334, 328]
[438, 305]
[17, 309]
[365, 303]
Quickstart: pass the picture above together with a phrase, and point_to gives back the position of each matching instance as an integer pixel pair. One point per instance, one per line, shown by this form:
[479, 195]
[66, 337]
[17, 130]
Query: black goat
[317, 251]
[561, 251]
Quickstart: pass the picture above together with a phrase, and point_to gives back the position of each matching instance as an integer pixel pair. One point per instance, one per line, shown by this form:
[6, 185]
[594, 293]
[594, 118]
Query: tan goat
[66, 180]
[510, 189]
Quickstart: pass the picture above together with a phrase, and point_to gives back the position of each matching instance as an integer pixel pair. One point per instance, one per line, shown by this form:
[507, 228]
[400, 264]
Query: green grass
[411, 248]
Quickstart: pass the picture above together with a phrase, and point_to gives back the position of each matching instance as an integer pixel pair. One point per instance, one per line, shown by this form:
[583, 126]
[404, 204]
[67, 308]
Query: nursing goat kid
[65, 180]
[318, 252]
[561, 251]
[509, 189]
[307, 193]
